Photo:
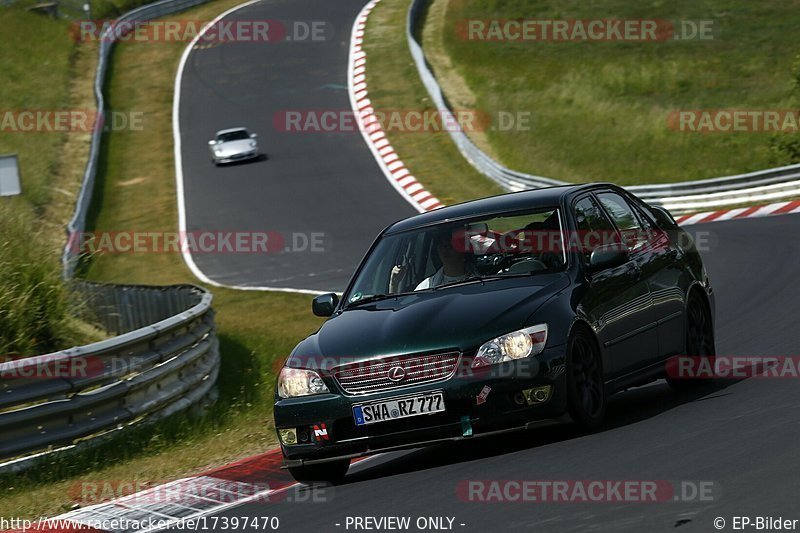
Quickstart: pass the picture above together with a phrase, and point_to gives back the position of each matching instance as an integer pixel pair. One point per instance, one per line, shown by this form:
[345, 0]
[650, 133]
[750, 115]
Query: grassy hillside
[599, 110]
[36, 75]
[136, 189]
[38, 61]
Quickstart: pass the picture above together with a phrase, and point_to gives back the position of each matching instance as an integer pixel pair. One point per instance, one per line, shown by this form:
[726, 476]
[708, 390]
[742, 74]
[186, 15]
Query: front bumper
[464, 416]
[236, 157]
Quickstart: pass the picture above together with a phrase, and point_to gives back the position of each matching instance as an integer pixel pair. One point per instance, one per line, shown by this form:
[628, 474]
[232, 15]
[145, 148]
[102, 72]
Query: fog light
[302, 434]
[288, 436]
[538, 395]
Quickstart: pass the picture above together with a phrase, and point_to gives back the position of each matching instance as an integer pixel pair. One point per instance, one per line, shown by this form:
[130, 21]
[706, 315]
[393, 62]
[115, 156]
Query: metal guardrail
[77, 224]
[507, 178]
[678, 197]
[762, 185]
[164, 360]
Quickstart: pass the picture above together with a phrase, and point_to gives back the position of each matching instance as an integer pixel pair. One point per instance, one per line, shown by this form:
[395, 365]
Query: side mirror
[325, 304]
[253, 135]
[608, 256]
[478, 227]
[212, 142]
[663, 217]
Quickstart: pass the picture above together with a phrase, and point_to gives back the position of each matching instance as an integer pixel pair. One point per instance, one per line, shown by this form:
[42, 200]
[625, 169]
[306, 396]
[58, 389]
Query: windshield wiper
[464, 281]
[375, 298]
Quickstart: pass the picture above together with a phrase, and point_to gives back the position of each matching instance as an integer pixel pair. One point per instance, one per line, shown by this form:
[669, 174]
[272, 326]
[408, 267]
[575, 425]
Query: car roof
[510, 202]
[230, 130]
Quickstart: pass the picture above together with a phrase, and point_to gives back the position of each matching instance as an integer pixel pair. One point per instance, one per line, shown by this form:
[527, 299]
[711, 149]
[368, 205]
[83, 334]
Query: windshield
[237, 135]
[452, 253]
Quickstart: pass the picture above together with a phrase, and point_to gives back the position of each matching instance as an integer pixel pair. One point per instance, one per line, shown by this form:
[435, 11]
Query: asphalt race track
[739, 435]
[321, 186]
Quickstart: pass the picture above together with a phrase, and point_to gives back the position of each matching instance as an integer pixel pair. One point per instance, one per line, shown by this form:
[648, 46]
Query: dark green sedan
[494, 315]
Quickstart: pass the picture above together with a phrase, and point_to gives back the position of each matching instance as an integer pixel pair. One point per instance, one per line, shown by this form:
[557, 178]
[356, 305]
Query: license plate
[396, 408]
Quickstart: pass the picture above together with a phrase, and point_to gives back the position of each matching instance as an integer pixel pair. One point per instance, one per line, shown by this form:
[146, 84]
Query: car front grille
[382, 374]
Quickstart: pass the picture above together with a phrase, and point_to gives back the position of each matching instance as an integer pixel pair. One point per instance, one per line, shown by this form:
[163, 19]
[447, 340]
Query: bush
[34, 313]
[785, 149]
[796, 74]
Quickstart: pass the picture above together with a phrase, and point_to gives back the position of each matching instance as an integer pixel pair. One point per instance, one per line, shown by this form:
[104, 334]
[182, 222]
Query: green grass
[44, 70]
[36, 75]
[38, 72]
[136, 191]
[599, 109]
[34, 303]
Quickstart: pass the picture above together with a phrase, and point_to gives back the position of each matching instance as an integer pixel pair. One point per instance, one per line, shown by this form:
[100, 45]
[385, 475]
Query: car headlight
[511, 346]
[294, 382]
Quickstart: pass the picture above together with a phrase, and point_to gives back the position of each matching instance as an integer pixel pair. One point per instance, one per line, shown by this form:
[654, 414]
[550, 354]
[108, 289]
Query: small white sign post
[9, 175]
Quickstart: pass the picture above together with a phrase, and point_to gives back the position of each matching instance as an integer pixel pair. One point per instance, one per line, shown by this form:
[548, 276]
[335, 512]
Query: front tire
[586, 394]
[699, 341]
[332, 472]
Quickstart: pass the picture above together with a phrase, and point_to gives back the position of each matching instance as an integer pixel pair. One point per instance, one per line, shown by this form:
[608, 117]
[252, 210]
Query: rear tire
[332, 472]
[586, 396]
[699, 341]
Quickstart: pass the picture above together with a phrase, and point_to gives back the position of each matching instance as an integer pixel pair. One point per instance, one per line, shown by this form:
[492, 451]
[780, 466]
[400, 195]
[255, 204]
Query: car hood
[459, 318]
[234, 147]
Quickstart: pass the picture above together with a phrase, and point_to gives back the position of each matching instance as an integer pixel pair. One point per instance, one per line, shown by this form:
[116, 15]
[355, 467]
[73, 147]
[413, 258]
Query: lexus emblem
[396, 373]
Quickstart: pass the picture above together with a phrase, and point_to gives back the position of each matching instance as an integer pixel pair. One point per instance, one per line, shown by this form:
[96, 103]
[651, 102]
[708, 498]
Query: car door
[640, 238]
[668, 284]
[618, 300]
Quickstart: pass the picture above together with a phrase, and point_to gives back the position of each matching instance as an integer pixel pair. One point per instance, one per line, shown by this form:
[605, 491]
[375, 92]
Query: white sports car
[231, 145]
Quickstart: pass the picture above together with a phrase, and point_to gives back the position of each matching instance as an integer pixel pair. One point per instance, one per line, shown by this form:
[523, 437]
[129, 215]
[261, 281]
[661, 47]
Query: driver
[454, 265]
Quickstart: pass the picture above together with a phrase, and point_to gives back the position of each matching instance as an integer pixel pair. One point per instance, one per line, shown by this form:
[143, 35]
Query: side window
[635, 232]
[594, 228]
